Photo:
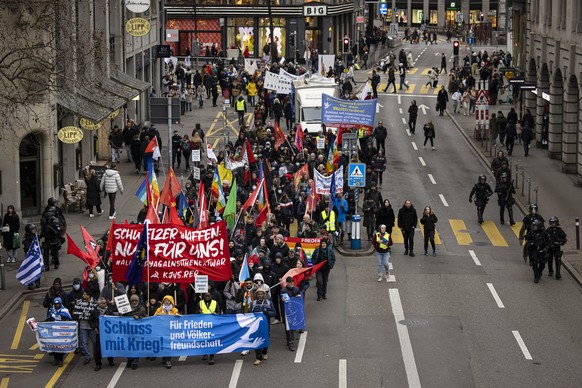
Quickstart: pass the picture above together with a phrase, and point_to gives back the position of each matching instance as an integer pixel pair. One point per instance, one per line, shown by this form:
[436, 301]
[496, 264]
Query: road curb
[355, 253]
[16, 298]
[523, 207]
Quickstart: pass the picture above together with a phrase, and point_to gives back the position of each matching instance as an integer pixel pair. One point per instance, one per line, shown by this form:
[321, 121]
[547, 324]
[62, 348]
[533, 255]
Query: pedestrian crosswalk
[412, 89]
[496, 235]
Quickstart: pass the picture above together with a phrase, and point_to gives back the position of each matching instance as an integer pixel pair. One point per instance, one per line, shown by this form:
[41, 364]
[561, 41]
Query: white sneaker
[245, 352]
[388, 276]
[379, 278]
[91, 215]
[423, 147]
[276, 321]
[433, 148]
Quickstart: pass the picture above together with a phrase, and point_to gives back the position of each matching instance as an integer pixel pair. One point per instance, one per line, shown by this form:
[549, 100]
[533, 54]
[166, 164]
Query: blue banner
[356, 112]
[60, 337]
[186, 335]
[294, 313]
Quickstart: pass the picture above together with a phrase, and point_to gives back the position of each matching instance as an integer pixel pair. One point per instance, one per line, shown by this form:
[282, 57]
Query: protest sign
[122, 304]
[60, 337]
[176, 253]
[186, 335]
[323, 183]
[294, 313]
[281, 84]
[201, 284]
[337, 111]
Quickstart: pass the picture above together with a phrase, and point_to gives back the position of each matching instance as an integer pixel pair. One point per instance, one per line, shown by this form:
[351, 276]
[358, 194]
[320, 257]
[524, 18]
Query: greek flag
[32, 266]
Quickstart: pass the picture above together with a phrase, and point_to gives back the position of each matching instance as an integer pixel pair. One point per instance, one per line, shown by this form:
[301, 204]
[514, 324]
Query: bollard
[516, 174]
[2, 275]
[522, 182]
[356, 241]
[577, 233]
[536, 191]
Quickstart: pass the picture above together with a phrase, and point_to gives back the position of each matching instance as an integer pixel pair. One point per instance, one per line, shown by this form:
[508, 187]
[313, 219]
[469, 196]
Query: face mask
[167, 308]
[97, 268]
[76, 287]
[91, 276]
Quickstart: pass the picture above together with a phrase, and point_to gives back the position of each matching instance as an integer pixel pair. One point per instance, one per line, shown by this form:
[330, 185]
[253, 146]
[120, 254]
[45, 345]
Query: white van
[308, 100]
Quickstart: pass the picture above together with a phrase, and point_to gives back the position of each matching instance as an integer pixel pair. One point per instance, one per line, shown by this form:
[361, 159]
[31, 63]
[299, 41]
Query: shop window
[241, 35]
[417, 16]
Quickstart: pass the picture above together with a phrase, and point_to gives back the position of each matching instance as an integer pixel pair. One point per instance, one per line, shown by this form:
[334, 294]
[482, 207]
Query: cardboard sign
[201, 284]
[196, 173]
[320, 143]
[122, 303]
[195, 155]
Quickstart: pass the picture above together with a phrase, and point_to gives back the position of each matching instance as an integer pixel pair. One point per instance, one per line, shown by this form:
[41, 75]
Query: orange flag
[171, 185]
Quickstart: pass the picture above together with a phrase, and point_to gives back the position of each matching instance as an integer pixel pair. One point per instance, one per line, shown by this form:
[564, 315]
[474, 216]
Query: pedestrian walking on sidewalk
[526, 138]
[10, 227]
[93, 193]
[391, 80]
[412, 115]
[111, 184]
[428, 220]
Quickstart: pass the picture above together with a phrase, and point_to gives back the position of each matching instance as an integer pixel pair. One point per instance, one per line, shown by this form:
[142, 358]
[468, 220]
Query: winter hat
[57, 281]
[57, 300]
[134, 298]
[279, 236]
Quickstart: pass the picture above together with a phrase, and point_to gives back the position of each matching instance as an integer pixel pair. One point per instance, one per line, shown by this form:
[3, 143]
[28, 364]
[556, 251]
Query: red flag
[108, 246]
[171, 214]
[250, 202]
[73, 249]
[171, 185]
[299, 173]
[152, 212]
[302, 274]
[91, 247]
[250, 157]
[299, 135]
[312, 198]
[203, 206]
[262, 217]
[154, 148]
[279, 136]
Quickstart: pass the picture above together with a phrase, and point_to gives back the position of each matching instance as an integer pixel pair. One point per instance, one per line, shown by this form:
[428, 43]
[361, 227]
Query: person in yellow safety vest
[207, 305]
[329, 222]
[240, 106]
[167, 308]
[382, 244]
[362, 137]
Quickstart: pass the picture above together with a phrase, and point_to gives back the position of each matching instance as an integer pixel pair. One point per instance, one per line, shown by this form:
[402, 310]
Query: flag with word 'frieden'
[32, 266]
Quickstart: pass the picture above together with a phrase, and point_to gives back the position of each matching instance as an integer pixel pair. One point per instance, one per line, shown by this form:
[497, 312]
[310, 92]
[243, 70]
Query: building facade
[94, 75]
[545, 37]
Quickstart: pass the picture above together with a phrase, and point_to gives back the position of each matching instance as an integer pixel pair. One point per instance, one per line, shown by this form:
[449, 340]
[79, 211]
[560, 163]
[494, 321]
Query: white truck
[308, 100]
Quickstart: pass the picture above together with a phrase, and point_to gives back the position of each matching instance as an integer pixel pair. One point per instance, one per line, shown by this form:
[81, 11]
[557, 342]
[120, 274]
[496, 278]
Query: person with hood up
[261, 285]
[52, 228]
[262, 304]
[111, 183]
[54, 292]
[323, 253]
[279, 269]
[167, 308]
[58, 312]
[230, 292]
[75, 294]
[137, 312]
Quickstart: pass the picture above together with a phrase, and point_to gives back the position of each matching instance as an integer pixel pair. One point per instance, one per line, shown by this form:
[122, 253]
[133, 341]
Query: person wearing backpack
[375, 80]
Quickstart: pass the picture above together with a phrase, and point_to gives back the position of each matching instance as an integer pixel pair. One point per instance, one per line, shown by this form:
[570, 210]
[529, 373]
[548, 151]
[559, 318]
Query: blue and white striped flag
[32, 266]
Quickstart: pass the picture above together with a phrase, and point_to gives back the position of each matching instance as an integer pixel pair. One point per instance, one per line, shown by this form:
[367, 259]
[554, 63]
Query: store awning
[130, 81]
[97, 101]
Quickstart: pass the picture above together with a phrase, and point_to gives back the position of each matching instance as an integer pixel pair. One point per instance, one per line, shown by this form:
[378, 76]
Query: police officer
[482, 191]
[505, 191]
[526, 226]
[537, 243]
[557, 240]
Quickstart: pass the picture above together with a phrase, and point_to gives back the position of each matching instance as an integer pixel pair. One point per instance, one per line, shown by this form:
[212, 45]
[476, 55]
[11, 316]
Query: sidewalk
[557, 193]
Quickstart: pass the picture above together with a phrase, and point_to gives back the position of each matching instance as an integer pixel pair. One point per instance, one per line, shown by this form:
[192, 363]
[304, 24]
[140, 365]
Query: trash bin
[356, 242]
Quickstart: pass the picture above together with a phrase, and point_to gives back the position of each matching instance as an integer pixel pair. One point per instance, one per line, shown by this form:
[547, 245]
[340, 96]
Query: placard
[122, 304]
[195, 155]
[196, 173]
[201, 284]
[320, 143]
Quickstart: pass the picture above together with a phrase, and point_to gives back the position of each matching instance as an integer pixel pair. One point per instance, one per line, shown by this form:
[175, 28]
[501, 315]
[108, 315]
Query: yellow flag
[224, 173]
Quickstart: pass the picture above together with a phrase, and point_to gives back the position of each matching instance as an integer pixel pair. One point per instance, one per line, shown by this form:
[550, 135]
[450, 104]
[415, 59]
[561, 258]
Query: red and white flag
[154, 148]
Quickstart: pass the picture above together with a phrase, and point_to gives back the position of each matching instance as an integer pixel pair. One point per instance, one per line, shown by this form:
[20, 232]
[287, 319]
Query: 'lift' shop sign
[315, 10]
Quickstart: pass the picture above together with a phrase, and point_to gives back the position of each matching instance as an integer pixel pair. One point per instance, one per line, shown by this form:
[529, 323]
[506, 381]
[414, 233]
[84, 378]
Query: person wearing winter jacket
[261, 304]
[321, 254]
[111, 183]
[428, 220]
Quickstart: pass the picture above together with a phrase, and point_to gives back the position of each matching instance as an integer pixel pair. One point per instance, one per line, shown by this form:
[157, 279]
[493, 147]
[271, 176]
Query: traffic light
[292, 40]
[346, 45]
[456, 47]
[481, 17]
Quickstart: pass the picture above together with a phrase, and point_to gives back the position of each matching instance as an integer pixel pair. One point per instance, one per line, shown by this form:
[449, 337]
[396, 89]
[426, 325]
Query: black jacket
[428, 222]
[407, 218]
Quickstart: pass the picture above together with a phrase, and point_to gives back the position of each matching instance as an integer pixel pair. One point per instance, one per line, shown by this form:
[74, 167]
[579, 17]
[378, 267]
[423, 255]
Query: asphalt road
[471, 316]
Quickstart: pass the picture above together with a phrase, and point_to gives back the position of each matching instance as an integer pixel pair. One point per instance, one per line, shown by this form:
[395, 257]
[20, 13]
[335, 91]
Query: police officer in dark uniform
[482, 191]
[526, 226]
[505, 191]
[537, 243]
[557, 240]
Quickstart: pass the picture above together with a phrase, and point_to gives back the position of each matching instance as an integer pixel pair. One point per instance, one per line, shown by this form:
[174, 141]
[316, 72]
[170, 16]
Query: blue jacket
[342, 209]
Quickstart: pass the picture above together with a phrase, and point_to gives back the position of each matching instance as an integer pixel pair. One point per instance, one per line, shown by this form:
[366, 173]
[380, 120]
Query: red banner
[176, 253]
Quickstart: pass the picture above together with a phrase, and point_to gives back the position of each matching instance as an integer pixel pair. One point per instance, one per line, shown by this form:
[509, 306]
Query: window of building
[241, 34]
[535, 10]
[578, 17]
[279, 36]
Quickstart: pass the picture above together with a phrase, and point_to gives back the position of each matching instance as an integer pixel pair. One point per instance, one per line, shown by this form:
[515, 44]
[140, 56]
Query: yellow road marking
[397, 237]
[16, 369]
[437, 239]
[516, 228]
[425, 89]
[60, 371]
[20, 327]
[493, 233]
[4, 382]
[411, 88]
[425, 71]
[249, 119]
[436, 90]
[460, 231]
[34, 347]
[413, 70]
